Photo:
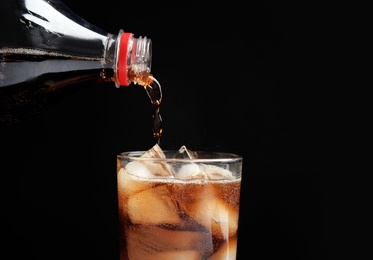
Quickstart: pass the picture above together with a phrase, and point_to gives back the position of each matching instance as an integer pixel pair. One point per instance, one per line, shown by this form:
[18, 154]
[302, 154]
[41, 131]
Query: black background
[236, 77]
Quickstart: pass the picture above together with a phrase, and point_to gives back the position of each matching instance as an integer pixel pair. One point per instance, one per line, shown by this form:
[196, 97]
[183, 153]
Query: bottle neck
[43, 29]
[133, 60]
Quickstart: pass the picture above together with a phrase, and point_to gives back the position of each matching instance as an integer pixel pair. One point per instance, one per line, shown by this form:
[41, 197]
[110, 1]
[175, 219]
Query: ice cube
[190, 171]
[227, 251]
[153, 206]
[185, 153]
[129, 184]
[154, 152]
[198, 170]
[214, 172]
[145, 242]
[139, 169]
[203, 171]
[212, 212]
[157, 168]
[148, 169]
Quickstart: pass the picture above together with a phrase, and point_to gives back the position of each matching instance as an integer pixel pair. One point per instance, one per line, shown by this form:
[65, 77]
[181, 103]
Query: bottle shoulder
[48, 26]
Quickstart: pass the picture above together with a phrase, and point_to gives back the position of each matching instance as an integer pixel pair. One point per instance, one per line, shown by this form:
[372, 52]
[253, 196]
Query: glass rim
[208, 156]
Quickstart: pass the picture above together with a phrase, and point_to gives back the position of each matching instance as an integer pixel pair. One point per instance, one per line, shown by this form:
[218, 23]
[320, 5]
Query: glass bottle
[46, 49]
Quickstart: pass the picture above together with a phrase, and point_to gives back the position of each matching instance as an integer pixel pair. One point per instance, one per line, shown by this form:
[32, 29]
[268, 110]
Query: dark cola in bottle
[46, 49]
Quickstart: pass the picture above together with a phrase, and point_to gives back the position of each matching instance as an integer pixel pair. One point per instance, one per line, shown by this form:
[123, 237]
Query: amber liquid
[155, 94]
[171, 219]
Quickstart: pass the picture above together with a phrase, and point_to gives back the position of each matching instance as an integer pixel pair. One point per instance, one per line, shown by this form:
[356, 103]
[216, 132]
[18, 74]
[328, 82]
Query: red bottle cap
[122, 59]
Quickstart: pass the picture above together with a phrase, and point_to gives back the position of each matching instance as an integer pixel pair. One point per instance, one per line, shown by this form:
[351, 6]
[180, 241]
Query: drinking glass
[178, 204]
